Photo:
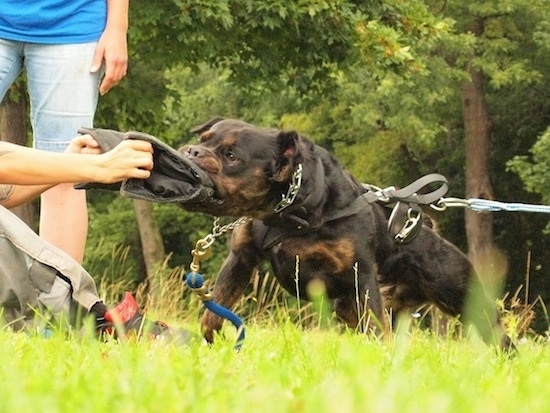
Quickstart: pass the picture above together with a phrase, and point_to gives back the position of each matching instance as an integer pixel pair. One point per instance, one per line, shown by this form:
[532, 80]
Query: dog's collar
[304, 216]
[298, 208]
[293, 189]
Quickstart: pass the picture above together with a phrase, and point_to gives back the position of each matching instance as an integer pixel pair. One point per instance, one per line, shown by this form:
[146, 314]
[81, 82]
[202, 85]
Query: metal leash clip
[202, 250]
[405, 222]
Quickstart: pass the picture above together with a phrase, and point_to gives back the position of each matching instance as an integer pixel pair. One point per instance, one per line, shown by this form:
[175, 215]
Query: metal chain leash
[202, 247]
[217, 230]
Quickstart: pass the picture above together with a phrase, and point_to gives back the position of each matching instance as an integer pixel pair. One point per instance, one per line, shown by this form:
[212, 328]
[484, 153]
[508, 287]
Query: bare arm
[26, 172]
[14, 195]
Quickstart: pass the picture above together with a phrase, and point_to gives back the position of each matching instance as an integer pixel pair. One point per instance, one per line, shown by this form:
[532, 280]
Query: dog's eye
[231, 159]
[229, 154]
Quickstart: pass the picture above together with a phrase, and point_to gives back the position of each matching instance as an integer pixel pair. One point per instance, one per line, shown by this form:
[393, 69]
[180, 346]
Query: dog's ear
[289, 155]
[206, 126]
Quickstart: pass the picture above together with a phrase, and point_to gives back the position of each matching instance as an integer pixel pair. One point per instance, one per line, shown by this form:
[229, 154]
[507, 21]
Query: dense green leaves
[255, 40]
[535, 170]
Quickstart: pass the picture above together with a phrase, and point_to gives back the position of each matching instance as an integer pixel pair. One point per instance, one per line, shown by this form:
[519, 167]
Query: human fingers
[83, 144]
[140, 173]
[138, 154]
[114, 72]
[98, 58]
[136, 144]
[124, 161]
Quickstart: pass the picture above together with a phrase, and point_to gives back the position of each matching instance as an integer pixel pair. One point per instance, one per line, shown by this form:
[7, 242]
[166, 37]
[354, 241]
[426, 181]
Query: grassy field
[295, 358]
[281, 368]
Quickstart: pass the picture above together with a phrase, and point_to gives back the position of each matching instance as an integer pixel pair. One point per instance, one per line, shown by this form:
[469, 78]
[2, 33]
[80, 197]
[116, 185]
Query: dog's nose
[193, 151]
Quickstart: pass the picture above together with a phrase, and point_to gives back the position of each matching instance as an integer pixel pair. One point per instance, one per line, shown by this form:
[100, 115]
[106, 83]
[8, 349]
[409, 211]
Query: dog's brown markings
[243, 195]
[338, 255]
[246, 187]
[205, 136]
[211, 165]
[241, 236]
[229, 141]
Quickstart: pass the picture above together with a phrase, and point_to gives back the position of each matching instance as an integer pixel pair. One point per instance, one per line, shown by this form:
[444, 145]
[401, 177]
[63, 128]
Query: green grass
[295, 358]
[281, 368]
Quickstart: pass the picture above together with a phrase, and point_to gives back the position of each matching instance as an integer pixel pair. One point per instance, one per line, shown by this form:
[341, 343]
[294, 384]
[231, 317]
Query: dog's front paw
[210, 324]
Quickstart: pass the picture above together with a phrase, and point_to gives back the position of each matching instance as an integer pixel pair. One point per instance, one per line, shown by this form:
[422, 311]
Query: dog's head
[251, 167]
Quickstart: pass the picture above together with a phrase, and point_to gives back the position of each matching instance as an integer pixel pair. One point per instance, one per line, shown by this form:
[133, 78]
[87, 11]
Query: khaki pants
[38, 278]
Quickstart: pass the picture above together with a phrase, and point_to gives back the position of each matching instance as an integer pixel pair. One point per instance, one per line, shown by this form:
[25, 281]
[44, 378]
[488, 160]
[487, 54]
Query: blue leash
[481, 205]
[195, 282]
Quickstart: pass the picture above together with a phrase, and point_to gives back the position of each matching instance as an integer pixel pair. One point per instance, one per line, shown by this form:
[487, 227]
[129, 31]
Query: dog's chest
[308, 258]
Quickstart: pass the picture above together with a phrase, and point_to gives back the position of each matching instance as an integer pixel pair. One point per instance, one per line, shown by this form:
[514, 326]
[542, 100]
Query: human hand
[112, 49]
[84, 144]
[129, 159]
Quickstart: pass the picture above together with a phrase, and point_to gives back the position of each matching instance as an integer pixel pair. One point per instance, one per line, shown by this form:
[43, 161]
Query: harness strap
[410, 193]
[406, 218]
[404, 222]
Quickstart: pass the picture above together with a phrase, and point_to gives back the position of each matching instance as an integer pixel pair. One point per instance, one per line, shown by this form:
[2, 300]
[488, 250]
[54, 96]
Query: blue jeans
[63, 93]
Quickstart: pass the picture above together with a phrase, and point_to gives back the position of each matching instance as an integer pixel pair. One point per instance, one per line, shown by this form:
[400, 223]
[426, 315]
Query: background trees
[396, 89]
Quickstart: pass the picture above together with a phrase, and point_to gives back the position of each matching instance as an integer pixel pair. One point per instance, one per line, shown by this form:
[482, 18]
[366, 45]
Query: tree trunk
[477, 125]
[13, 128]
[151, 244]
[488, 261]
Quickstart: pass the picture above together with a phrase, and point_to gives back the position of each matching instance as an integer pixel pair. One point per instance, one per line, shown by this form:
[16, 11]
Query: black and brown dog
[302, 223]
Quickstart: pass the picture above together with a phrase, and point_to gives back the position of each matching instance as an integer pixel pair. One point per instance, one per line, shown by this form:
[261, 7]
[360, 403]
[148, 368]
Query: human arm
[26, 172]
[112, 47]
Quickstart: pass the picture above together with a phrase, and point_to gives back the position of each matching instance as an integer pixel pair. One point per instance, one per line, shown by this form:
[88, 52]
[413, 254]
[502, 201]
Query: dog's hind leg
[480, 311]
[363, 312]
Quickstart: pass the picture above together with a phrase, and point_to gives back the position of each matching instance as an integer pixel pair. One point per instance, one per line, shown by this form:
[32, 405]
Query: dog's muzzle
[174, 178]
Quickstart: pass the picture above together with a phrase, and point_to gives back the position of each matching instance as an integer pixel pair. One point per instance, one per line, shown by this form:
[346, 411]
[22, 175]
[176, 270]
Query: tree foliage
[534, 170]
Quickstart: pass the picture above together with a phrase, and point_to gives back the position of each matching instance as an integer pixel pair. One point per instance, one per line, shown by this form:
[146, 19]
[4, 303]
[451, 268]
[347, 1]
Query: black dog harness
[404, 223]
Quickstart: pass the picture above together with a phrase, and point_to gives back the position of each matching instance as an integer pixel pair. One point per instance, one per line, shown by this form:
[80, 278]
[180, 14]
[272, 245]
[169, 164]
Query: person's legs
[63, 96]
[64, 219]
[38, 280]
[11, 64]
[38, 277]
